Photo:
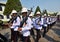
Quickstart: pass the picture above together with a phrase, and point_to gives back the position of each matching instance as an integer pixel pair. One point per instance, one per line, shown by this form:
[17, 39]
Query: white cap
[48, 15]
[31, 14]
[44, 14]
[38, 12]
[13, 11]
[24, 10]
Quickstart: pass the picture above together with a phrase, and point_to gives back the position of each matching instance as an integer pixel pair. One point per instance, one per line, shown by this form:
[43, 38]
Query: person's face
[30, 16]
[14, 14]
[45, 16]
[24, 14]
[42, 16]
[38, 15]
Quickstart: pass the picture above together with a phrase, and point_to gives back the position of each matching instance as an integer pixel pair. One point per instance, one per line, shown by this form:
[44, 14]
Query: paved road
[52, 36]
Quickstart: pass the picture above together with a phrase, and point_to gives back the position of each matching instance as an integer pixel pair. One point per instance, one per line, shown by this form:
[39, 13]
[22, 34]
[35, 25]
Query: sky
[50, 5]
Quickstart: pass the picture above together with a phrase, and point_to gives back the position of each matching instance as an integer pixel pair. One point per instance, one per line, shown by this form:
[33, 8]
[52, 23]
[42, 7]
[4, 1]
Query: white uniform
[25, 29]
[16, 24]
[52, 20]
[32, 23]
[48, 20]
[42, 20]
[45, 22]
[36, 23]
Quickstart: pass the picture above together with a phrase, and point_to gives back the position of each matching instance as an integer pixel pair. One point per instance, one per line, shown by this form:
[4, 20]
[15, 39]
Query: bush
[12, 4]
[1, 22]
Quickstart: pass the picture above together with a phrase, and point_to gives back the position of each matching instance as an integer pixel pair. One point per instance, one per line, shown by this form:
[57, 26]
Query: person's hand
[19, 29]
[9, 25]
[24, 24]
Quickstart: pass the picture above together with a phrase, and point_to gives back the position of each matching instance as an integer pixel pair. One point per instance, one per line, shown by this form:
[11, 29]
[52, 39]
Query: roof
[3, 3]
[49, 12]
[58, 13]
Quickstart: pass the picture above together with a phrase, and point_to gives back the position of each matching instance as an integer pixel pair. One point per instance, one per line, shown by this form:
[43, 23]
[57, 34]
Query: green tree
[12, 4]
[37, 9]
[55, 13]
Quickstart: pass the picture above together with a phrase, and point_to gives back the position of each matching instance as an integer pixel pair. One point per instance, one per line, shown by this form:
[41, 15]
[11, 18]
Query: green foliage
[55, 13]
[45, 12]
[12, 4]
[37, 9]
[1, 22]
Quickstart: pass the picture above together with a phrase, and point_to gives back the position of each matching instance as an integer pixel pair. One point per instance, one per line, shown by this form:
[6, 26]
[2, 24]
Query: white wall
[1, 12]
[3, 7]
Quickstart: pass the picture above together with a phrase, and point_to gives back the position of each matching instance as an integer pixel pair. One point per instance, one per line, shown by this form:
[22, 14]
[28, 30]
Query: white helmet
[38, 12]
[24, 10]
[31, 14]
[44, 14]
[48, 15]
[13, 11]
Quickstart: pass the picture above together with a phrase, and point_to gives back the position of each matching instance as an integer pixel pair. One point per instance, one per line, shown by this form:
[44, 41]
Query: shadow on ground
[7, 35]
[57, 31]
[50, 39]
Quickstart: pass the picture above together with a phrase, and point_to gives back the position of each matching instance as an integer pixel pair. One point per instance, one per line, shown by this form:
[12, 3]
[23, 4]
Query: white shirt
[48, 20]
[36, 25]
[44, 22]
[16, 24]
[25, 29]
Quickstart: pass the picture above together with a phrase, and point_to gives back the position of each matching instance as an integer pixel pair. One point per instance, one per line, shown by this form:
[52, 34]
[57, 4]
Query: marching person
[51, 21]
[48, 22]
[31, 16]
[37, 26]
[14, 26]
[32, 29]
[25, 30]
[44, 24]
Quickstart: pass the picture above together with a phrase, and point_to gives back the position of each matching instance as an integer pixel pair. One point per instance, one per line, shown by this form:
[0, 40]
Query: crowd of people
[38, 22]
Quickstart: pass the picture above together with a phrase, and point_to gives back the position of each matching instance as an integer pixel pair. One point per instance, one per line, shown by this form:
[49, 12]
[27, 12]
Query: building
[3, 17]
